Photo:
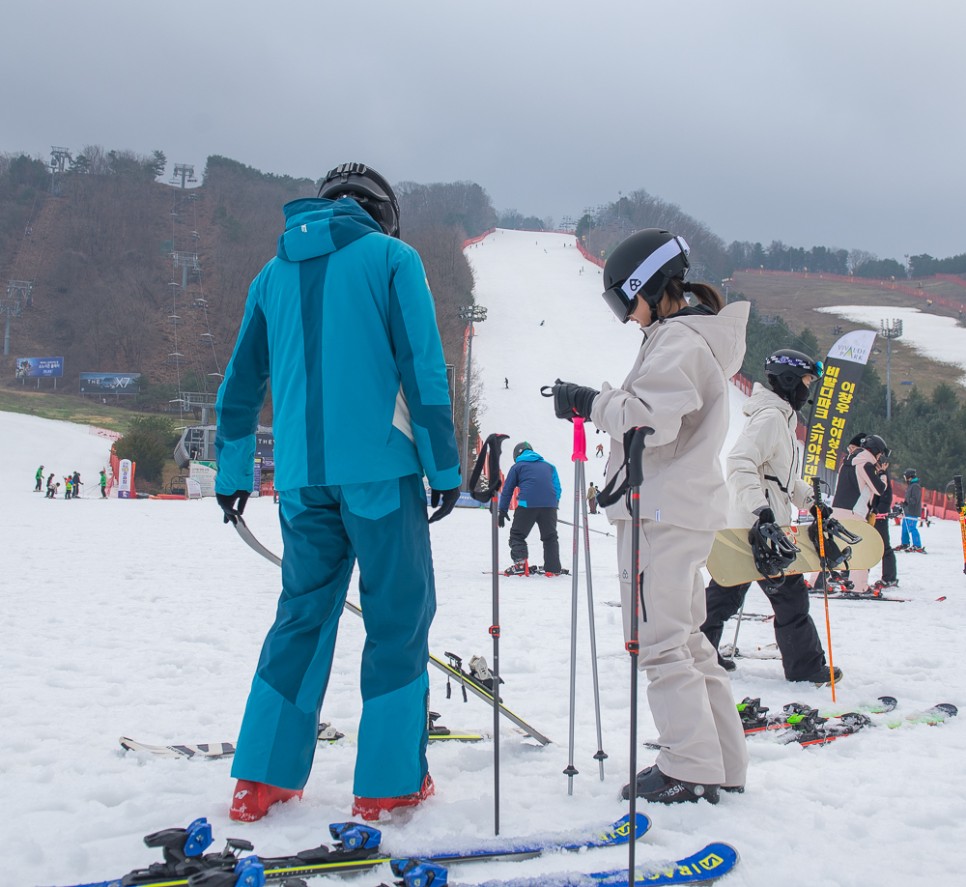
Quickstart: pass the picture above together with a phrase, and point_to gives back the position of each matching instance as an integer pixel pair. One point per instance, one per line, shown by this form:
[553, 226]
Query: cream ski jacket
[764, 465]
[679, 387]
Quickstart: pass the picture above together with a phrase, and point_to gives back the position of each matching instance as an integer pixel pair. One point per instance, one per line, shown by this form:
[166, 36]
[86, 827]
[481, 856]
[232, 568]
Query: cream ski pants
[689, 694]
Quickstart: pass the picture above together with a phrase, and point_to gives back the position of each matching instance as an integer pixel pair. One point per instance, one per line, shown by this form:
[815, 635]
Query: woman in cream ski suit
[678, 386]
[764, 482]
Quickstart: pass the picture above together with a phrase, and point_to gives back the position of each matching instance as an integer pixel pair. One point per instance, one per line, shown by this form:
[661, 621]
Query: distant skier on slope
[764, 482]
[678, 386]
[537, 501]
[342, 323]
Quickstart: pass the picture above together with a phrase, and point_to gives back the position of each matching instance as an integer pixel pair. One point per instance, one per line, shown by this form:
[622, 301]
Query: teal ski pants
[325, 530]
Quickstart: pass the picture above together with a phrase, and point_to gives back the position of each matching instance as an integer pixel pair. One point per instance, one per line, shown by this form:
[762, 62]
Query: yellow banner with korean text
[836, 390]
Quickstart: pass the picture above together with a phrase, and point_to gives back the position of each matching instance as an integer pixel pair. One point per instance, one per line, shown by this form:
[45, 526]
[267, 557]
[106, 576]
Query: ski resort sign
[826, 428]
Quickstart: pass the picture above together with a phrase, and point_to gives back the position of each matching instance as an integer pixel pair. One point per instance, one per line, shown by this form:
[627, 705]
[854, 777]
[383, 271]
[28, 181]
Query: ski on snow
[809, 727]
[356, 848]
[467, 680]
[212, 751]
[710, 863]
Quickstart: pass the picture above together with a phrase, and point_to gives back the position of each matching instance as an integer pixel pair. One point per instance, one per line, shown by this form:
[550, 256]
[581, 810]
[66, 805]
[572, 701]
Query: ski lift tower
[185, 172]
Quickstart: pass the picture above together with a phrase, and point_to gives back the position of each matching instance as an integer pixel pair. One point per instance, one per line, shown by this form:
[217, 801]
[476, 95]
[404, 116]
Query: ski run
[144, 619]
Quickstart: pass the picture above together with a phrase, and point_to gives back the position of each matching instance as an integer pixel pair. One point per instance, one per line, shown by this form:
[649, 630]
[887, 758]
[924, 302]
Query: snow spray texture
[826, 426]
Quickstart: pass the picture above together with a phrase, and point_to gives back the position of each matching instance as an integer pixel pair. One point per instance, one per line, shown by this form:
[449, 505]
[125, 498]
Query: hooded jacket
[764, 465]
[912, 503]
[678, 386]
[342, 323]
[537, 480]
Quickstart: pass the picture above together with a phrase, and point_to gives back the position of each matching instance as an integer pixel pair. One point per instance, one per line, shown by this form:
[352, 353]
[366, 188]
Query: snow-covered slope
[144, 618]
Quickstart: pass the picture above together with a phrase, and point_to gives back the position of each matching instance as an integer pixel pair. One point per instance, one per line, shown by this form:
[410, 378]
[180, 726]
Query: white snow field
[144, 618]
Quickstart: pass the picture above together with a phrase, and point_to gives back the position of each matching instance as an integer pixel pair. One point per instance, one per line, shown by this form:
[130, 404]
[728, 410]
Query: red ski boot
[251, 800]
[371, 808]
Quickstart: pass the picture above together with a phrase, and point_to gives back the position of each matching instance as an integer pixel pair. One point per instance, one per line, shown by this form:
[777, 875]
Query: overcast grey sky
[831, 122]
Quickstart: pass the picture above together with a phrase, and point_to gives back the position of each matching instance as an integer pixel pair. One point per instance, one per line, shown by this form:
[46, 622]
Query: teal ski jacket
[343, 324]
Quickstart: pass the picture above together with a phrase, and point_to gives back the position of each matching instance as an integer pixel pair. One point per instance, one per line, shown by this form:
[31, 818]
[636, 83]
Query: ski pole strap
[580, 441]
[489, 455]
[632, 467]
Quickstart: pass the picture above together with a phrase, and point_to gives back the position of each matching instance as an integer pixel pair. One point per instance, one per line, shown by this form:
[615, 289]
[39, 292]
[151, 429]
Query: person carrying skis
[39, 479]
[537, 500]
[859, 482]
[764, 484]
[911, 512]
[342, 323]
[678, 386]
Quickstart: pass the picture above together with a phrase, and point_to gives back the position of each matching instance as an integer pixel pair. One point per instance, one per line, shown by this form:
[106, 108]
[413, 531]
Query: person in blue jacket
[537, 501]
[342, 323]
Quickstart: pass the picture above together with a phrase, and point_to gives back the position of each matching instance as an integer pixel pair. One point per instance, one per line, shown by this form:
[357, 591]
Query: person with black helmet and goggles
[764, 483]
[342, 323]
[678, 386]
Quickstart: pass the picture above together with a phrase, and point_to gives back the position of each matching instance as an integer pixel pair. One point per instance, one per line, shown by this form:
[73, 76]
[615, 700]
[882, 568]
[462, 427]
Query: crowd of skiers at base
[72, 484]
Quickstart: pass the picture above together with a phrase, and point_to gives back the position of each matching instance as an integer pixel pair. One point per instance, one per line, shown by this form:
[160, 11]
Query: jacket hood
[762, 398]
[724, 332]
[316, 227]
[529, 456]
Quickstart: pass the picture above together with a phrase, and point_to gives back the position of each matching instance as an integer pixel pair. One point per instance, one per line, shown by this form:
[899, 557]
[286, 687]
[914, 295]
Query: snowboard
[731, 562]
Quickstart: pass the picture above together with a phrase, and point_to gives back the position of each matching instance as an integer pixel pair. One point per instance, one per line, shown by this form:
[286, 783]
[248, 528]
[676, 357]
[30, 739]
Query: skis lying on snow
[707, 865]
[327, 733]
[467, 681]
[808, 726]
[356, 848]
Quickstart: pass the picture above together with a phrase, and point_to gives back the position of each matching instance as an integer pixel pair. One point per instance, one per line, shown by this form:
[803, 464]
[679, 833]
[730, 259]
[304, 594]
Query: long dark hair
[706, 294]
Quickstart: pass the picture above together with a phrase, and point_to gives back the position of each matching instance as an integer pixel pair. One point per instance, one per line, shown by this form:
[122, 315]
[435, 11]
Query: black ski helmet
[369, 189]
[875, 445]
[910, 474]
[772, 550]
[642, 265]
[520, 449]
[785, 370]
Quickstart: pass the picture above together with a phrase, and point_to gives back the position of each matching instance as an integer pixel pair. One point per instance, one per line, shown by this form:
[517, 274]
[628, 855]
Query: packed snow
[144, 618]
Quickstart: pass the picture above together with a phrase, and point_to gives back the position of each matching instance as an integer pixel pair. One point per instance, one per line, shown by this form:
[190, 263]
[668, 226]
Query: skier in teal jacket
[342, 323]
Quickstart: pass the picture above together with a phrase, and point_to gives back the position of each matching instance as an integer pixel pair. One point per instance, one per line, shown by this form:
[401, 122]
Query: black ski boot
[652, 785]
[821, 678]
[727, 664]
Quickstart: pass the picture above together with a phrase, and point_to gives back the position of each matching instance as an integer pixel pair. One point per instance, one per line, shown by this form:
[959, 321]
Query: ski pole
[580, 447]
[591, 529]
[601, 756]
[823, 562]
[491, 453]
[635, 477]
[734, 643]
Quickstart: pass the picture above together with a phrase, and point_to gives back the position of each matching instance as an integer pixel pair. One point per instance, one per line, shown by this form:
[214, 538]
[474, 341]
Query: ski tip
[711, 862]
[620, 831]
[947, 708]
[889, 702]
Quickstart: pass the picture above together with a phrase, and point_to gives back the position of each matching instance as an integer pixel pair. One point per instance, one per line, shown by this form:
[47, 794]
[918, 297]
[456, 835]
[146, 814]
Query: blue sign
[113, 383]
[37, 367]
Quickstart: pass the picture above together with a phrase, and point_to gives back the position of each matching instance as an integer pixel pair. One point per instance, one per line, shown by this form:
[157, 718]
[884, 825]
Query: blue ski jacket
[538, 482]
[343, 324]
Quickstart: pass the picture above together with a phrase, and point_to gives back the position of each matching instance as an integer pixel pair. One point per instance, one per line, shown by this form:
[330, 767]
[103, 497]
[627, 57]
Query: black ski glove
[449, 499]
[571, 400]
[765, 515]
[233, 505]
[504, 517]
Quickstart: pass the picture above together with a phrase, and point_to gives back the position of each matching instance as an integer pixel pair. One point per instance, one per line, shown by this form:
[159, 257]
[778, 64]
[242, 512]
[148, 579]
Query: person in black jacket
[537, 501]
[911, 510]
[881, 508]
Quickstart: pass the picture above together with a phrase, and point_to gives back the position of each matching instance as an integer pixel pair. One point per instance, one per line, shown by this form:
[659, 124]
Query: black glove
[571, 400]
[765, 515]
[504, 517]
[233, 505]
[449, 499]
